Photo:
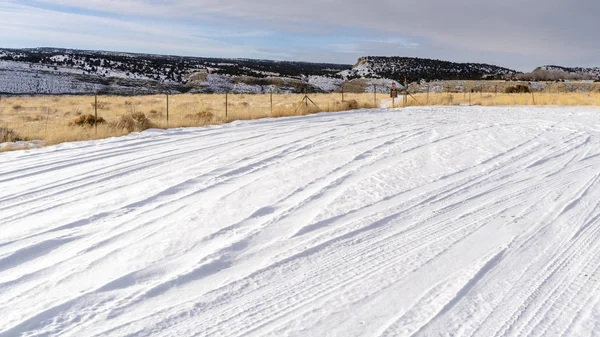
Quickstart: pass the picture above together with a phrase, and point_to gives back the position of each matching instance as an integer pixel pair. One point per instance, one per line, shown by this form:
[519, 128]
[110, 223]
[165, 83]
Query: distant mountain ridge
[72, 71]
[593, 72]
[58, 71]
[417, 69]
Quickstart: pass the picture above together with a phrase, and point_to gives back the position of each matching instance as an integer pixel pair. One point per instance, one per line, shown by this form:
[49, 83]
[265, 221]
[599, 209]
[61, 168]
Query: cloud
[518, 32]
[49, 27]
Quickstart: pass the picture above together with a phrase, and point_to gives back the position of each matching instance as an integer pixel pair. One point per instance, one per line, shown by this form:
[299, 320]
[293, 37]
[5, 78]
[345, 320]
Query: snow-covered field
[459, 221]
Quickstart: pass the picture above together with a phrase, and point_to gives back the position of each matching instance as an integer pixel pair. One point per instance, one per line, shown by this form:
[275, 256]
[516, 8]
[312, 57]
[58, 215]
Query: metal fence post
[226, 104]
[271, 102]
[167, 111]
[47, 119]
[342, 92]
[96, 113]
[374, 95]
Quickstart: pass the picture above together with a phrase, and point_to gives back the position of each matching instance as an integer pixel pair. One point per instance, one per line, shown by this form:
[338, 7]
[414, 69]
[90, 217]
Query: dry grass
[58, 119]
[504, 99]
[51, 118]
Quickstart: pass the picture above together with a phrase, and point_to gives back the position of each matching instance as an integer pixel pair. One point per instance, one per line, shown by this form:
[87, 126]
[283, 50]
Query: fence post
[226, 104]
[469, 98]
[427, 94]
[96, 113]
[342, 92]
[306, 100]
[47, 119]
[374, 95]
[533, 97]
[271, 102]
[167, 111]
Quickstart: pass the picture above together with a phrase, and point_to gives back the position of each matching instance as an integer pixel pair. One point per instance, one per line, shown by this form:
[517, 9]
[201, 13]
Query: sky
[518, 34]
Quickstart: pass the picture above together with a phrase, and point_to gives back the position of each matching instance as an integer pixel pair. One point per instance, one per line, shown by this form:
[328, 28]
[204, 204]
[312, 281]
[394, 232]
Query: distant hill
[71, 71]
[417, 69]
[55, 70]
[590, 73]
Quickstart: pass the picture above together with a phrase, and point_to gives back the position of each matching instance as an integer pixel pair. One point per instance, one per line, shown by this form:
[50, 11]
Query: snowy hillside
[457, 221]
[593, 73]
[417, 69]
[77, 71]
[67, 71]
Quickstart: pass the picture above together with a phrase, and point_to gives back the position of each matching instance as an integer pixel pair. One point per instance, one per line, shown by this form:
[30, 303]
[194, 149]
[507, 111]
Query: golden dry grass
[49, 118]
[502, 99]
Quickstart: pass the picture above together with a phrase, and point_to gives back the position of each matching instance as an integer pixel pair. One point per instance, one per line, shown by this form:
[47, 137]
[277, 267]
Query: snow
[327, 84]
[21, 145]
[21, 81]
[362, 69]
[443, 221]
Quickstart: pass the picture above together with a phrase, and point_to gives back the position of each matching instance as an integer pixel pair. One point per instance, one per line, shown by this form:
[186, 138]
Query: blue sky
[505, 34]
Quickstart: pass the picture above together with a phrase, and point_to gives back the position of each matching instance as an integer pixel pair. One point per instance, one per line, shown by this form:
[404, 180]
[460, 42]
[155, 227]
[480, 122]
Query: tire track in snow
[279, 262]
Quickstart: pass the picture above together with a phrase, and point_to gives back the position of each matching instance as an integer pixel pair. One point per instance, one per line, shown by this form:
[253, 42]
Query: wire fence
[61, 118]
[57, 119]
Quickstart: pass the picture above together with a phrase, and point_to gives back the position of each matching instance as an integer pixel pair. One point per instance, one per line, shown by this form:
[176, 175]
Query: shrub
[9, 135]
[518, 89]
[201, 117]
[133, 122]
[352, 104]
[346, 105]
[87, 120]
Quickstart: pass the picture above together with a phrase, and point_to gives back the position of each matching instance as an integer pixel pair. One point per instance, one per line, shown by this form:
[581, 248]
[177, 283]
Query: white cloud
[535, 30]
[51, 27]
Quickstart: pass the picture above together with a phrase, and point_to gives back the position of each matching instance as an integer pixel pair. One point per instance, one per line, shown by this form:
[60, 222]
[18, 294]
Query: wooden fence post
[306, 101]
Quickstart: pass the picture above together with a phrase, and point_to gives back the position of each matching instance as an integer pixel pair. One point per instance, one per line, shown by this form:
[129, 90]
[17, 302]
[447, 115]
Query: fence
[56, 119]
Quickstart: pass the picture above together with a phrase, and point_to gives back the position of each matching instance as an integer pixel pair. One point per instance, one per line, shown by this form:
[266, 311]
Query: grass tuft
[87, 120]
[9, 135]
[136, 121]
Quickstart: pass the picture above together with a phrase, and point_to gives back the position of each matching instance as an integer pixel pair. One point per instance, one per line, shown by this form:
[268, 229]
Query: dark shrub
[518, 89]
[201, 117]
[9, 135]
[87, 120]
